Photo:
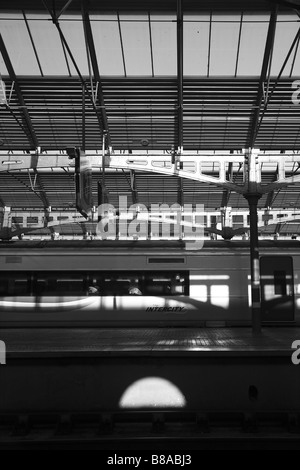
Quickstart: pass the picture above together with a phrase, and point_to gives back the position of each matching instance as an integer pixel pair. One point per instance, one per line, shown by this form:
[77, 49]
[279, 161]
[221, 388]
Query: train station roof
[152, 76]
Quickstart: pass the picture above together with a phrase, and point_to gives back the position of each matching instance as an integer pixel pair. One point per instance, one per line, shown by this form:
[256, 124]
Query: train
[105, 283]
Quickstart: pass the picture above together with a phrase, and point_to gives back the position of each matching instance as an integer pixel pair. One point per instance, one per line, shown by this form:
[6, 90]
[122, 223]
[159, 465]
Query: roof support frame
[64, 41]
[32, 43]
[30, 186]
[180, 191]
[179, 76]
[41, 188]
[121, 42]
[64, 8]
[266, 63]
[151, 44]
[83, 120]
[239, 44]
[209, 45]
[294, 58]
[94, 62]
[226, 192]
[133, 187]
[270, 198]
[164, 165]
[268, 98]
[29, 130]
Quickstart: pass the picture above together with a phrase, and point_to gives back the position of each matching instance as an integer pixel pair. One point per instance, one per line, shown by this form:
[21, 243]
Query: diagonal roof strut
[179, 75]
[64, 41]
[93, 57]
[29, 130]
[266, 62]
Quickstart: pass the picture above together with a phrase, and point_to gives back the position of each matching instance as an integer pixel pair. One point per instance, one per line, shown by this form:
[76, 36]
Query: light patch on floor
[152, 392]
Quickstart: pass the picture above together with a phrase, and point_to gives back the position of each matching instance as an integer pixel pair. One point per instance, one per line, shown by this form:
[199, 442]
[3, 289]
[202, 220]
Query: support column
[104, 192]
[252, 199]
[5, 223]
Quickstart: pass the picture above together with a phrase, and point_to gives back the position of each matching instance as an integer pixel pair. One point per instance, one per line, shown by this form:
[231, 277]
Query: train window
[279, 282]
[145, 283]
[62, 283]
[70, 284]
[164, 284]
[45, 284]
[277, 288]
[14, 283]
[123, 284]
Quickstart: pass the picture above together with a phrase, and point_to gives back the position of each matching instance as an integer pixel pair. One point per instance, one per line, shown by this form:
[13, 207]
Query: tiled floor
[43, 342]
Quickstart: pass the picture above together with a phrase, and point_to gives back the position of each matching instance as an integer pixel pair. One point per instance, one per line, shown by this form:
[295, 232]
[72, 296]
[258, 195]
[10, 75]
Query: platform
[143, 387]
[94, 342]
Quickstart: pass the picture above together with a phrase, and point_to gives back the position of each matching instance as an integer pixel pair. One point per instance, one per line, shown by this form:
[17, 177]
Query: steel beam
[64, 41]
[180, 192]
[226, 192]
[270, 94]
[64, 8]
[133, 187]
[179, 76]
[191, 166]
[93, 57]
[42, 191]
[265, 65]
[29, 127]
[188, 167]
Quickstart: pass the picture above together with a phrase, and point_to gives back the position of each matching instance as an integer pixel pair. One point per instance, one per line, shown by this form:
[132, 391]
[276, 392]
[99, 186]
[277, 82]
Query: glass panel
[252, 46]
[279, 282]
[136, 44]
[224, 43]
[284, 36]
[195, 45]
[136, 18]
[13, 283]
[296, 68]
[149, 283]
[74, 34]
[94, 284]
[161, 283]
[62, 283]
[18, 45]
[3, 69]
[120, 284]
[107, 44]
[48, 45]
[103, 17]
[164, 45]
[82, 283]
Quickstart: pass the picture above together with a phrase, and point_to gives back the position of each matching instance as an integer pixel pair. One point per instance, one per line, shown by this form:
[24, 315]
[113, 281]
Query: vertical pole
[103, 168]
[252, 199]
[101, 184]
[83, 120]
[179, 76]
[99, 188]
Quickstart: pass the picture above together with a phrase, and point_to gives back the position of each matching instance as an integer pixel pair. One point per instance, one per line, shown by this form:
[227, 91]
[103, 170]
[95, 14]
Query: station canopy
[209, 76]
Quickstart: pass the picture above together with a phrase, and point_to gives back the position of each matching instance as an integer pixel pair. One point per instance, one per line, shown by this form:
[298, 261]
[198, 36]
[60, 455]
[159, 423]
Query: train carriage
[140, 283]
